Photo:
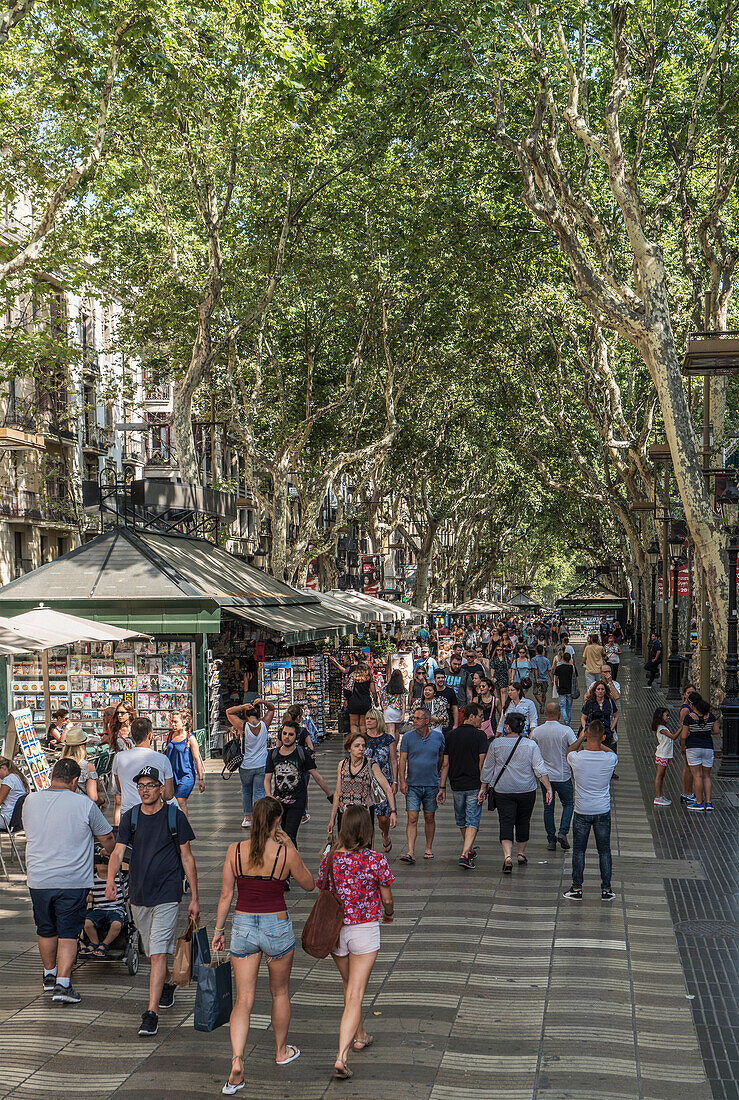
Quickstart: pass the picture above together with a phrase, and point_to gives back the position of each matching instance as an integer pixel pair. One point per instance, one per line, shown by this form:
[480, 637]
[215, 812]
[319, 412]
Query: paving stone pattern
[485, 985]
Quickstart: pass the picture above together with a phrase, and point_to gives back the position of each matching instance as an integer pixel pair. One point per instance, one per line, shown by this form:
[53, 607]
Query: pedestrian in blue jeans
[245, 720]
[592, 768]
[554, 738]
[564, 676]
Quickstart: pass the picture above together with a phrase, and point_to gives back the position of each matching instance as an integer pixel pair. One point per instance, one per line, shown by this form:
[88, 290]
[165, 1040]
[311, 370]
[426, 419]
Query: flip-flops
[344, 1073]
[362, 1044]
[428, 855]
[407, 858]
[387, 847]
[295, 1054]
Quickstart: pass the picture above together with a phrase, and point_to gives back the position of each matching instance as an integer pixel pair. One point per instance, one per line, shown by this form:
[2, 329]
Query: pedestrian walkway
[485, 985]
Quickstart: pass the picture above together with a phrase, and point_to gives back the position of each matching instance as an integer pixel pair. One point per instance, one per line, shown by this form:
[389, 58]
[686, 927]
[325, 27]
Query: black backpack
[275, 755]
[171, 825]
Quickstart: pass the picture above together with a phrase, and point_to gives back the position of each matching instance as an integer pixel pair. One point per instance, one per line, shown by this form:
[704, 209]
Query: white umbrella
[43, 629]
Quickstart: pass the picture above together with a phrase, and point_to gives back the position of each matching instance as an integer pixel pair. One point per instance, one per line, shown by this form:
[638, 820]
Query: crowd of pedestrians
[492, 723]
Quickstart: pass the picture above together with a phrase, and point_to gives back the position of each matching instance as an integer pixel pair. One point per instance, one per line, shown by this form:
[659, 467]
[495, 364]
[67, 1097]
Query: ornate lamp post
[729, 501]
[675, 663]
[653, 556]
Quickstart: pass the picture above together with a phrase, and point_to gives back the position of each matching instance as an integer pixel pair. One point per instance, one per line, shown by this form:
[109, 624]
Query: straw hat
[75, 736]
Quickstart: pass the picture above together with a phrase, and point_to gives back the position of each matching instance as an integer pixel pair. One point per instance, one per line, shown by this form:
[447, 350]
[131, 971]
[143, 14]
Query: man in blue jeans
[464, 755]
[565, 680]
[592, 768]
[554, 739]
[421, 756]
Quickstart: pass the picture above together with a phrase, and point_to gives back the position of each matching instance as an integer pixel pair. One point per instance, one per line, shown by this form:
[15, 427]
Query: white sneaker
[246, 823]
[662, 802]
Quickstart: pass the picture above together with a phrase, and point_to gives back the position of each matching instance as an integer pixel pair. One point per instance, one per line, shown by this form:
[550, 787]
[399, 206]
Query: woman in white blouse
[13, 786]
[517, 703]
[512, 766]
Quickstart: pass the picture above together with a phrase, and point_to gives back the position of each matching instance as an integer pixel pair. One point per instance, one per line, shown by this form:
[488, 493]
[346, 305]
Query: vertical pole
[212, 441]
[638, 624]
[730, 709]
[47, 690]
[665, 573]
[704, 625]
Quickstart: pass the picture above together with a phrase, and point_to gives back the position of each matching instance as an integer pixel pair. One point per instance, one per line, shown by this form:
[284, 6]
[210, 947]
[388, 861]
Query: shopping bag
[182, 965]
[214, 997]
[200, 951]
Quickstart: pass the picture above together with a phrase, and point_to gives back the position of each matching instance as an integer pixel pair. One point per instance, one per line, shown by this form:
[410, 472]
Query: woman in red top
[362, 879]
[258, 868]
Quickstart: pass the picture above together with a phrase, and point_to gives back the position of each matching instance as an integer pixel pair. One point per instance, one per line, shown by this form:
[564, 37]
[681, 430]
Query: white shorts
[358, 939]
[157, 925]
[702, 757]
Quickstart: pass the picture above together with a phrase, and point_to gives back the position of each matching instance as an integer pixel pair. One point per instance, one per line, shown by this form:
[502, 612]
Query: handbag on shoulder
[322, 929]
[491, 790]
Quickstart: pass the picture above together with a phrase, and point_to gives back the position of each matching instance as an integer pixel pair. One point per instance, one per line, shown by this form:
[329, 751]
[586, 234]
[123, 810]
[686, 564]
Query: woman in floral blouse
[361, 878]
[354, 778]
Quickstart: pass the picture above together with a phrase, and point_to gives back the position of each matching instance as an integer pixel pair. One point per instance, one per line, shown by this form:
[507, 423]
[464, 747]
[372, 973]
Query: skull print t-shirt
[290, 773]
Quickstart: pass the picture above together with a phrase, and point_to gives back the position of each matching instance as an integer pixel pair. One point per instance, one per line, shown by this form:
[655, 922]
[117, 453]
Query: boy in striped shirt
[106, 918]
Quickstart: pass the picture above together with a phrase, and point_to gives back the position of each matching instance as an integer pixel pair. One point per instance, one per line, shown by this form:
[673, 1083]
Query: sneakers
[64, 994]
[607, 895]
[552, 845]
[166, 999]
[149, 1024]
[687, 798]
[49, 982]
[708, 806]
[697, 806]
[468, 862]
[661, 801]
[573, 894]
[246, 823]
[563, 842]
[305, 818]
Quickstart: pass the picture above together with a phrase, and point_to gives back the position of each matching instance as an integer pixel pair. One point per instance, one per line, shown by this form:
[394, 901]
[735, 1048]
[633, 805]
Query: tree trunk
[423, 564]
[180, 424]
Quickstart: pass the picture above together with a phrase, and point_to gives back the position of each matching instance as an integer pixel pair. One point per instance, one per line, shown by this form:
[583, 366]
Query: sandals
[387, 847]
[344, 1073]
[522, 860]
[362, 1044]
[408, 858]
[99, 951]
[428, 855]
[507, 867]
[229, 1089]
[295, 1054]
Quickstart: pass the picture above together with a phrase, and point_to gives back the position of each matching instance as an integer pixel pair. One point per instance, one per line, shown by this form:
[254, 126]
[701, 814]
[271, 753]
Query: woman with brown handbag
[360, 878]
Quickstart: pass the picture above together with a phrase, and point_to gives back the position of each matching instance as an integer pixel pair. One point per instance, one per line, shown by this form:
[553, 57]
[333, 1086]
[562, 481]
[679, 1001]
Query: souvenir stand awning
[593, 597]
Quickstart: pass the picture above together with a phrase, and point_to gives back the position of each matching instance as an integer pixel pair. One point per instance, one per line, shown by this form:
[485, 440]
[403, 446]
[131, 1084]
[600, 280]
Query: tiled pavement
[485, 985]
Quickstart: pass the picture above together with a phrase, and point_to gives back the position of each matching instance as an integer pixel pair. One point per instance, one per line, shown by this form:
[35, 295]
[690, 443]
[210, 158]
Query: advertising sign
[31, 749]
[371, 574]
[683, 583]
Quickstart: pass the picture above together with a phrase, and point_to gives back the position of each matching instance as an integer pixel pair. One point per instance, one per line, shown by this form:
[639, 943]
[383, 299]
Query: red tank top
[260, 893]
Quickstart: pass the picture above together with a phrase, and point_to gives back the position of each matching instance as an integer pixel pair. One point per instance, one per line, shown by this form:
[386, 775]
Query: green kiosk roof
[167, 583]
[591, 596]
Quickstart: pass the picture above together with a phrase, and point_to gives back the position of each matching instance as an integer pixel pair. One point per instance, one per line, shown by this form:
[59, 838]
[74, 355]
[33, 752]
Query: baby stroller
[126, 947]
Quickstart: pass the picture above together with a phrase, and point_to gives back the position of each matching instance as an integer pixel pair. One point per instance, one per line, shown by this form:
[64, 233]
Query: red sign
[371, 574]
[683, 583]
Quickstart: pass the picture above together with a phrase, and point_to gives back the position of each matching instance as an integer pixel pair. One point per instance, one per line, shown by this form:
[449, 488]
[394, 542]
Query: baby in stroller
[105, 919]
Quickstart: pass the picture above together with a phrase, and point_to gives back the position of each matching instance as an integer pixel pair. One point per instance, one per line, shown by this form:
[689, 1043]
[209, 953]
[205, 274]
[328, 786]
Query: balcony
[158, 398]
[20, 504]
[96, 439]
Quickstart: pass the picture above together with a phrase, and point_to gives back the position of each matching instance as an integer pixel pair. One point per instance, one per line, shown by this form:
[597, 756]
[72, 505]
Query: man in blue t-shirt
[159, 837]
[421, 756]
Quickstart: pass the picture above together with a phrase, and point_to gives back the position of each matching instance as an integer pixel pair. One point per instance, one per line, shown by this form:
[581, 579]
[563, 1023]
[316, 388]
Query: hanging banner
[311, 581]
[683, 583]
[371, 574]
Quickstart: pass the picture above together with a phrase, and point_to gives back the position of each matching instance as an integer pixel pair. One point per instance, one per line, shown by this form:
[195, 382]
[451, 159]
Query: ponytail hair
[264, 815]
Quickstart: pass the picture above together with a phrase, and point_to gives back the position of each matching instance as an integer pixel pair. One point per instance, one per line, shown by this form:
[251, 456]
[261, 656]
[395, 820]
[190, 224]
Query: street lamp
[637, 636]
[653, 556]
[729, 501]
[675, 662]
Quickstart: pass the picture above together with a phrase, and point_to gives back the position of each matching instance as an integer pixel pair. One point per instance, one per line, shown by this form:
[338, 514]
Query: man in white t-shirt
[129, 763]
[592, 768]
[554, 739]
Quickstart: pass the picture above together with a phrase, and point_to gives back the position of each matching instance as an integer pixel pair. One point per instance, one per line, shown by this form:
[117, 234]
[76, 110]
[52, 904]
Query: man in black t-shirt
[445, 709]
[159, 835]
[285, 778]
[465, 749]
[565, 677]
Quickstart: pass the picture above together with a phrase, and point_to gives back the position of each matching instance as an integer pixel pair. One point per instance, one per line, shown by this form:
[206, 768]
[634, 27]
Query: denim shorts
[59, 912]
[702, 757]
[103, 918]
[422, 796]
[467, 810]
[266, 932]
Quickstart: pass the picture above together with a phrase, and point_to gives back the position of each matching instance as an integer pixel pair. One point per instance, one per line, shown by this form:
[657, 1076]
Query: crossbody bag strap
[510, 757]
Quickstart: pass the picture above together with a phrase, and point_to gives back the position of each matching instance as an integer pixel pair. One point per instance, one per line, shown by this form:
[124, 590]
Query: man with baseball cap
[159, 836]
